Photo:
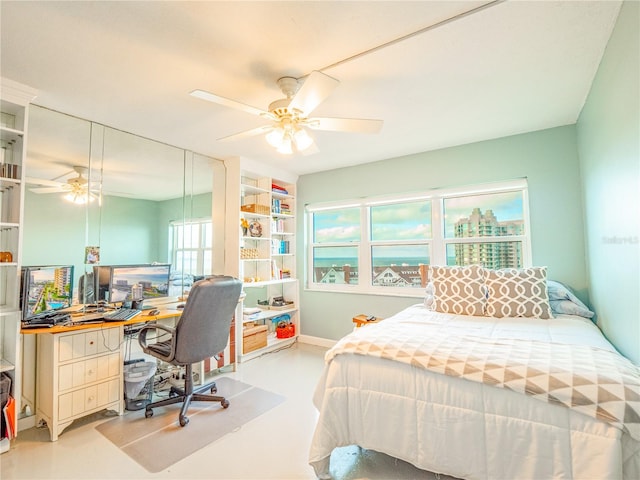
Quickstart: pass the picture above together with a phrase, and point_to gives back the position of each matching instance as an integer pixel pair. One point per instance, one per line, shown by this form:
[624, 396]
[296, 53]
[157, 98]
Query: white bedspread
[460, 427]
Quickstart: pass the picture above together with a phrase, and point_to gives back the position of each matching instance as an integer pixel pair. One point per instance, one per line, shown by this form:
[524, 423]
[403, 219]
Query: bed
[482, 396]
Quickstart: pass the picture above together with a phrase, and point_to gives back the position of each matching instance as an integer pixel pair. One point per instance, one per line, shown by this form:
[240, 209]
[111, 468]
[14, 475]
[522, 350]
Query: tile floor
[272, 446]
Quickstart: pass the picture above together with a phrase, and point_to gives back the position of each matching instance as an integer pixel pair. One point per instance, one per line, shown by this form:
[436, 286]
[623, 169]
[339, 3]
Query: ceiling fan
[289, 116]
[76, 188]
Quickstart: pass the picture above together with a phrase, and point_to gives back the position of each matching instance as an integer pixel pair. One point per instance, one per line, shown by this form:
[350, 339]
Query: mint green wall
[132, 231]
[609, 149]
[548, 159]
[54, 231]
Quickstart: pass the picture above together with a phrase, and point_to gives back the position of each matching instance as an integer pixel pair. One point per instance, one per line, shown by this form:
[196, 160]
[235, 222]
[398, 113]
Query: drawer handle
[91, 342]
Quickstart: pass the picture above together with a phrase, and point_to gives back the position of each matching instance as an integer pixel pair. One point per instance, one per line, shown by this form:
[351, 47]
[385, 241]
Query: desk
[79, 369]
[166, 312]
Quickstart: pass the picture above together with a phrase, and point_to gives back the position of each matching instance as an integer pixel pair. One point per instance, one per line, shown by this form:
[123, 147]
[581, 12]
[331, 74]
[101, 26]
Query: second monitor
[116, 282]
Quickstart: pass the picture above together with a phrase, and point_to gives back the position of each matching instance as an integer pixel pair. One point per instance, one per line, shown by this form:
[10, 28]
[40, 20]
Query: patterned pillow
[458, 290]
[518, 292]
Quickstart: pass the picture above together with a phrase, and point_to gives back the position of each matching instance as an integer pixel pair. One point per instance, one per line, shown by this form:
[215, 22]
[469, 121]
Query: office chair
[201, 332]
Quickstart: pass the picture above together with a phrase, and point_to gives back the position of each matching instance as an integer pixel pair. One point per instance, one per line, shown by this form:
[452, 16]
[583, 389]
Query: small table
[361, 319]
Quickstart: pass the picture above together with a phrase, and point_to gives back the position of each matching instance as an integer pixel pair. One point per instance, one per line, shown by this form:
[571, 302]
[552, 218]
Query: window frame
[200, 250]
[436, 244]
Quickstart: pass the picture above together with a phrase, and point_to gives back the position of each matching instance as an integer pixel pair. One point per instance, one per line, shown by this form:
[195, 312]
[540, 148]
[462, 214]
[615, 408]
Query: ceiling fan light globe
[285, 148]
[274, 137]
[302, 139]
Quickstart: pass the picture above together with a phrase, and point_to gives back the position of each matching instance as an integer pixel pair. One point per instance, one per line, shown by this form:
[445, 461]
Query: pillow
[458, 290]
[428, 296]
[563, 300]
[518, 292]
[569, 308]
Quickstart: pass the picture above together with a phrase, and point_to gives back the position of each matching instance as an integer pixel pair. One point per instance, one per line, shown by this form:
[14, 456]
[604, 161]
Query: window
[336, 240]
[486, 229]
[191, 247]
[389, 238]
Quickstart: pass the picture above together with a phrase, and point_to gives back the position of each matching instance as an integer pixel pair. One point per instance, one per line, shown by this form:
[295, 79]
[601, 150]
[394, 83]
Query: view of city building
[61, 281]
[492, 255]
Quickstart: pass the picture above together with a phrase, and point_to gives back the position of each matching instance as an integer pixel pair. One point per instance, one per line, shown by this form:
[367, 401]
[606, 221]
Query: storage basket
[256, 208]
[248, 253]
[284, 327]
[254, 338]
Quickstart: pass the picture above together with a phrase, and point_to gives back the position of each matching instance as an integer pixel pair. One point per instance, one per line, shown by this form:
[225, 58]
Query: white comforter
[461, 427]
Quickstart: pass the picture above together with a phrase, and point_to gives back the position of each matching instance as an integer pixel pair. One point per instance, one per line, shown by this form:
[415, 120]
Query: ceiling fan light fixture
[79, 193]
[302, 139]
[275, 136]
[285, 146]
[78, 198]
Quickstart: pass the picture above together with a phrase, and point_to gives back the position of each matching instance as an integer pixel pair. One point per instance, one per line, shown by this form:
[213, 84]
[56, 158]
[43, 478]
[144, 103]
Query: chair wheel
[214, 389]
[183, 421]
[148, 413]
[225, 403]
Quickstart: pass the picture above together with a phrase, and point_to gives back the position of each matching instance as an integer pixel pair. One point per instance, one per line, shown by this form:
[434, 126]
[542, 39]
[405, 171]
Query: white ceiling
[513, 67]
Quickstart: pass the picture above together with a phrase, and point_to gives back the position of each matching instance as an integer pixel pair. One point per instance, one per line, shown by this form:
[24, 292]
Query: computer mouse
[153, 312]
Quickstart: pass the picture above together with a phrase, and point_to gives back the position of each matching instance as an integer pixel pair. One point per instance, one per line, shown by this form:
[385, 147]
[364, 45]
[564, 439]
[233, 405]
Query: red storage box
[285, 330]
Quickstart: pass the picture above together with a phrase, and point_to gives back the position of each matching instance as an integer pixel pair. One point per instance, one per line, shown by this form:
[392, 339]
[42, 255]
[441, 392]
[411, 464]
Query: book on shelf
[279, 247]
[9, 416]
[277, 225]
[275, 271]
[278, 189]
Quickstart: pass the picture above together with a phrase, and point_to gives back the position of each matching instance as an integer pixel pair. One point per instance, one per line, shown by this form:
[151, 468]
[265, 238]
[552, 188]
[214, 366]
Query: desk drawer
[88, 399]
[88, 371]
[74, 346]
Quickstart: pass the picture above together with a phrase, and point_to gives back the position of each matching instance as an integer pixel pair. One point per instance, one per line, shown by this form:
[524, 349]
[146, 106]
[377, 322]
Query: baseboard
[26, 423]
[317, 341]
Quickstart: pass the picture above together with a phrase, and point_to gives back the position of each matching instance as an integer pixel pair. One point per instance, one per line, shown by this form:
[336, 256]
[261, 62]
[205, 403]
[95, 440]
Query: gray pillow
[517, 292]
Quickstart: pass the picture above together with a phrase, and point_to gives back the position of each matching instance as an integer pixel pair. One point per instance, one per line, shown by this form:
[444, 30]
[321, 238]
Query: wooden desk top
[166, 311]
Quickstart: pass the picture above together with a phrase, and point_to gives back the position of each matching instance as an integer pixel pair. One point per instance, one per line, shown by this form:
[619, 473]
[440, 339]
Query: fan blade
[247, 133]
[357, 125]
[43, 182]
[313, 91]
[59, 189]
[210, 97]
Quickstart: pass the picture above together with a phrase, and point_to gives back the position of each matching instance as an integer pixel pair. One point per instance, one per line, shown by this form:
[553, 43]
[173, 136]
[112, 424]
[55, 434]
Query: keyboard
[48, 320]
[122, 314]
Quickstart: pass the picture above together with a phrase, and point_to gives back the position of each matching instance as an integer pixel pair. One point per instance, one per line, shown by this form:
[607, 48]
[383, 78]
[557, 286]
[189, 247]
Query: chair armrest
[142, 333]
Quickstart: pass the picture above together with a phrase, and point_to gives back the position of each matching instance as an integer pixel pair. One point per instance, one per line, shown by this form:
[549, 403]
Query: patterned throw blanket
[596, 382]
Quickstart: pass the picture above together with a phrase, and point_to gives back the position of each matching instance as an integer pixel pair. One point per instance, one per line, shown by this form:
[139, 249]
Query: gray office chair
[201, 332]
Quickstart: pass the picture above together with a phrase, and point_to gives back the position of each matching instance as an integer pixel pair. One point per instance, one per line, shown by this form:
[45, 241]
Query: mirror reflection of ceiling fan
[289, 117]
[76, 189]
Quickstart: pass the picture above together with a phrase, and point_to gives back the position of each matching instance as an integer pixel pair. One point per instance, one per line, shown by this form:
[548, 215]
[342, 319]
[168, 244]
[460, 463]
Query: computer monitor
[152, 278]
[102, 278]
[87, 288]
[45, 289]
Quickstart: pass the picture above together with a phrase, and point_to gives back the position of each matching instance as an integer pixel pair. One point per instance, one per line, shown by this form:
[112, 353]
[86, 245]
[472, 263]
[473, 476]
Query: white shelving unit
[267, 257]
[14, 102]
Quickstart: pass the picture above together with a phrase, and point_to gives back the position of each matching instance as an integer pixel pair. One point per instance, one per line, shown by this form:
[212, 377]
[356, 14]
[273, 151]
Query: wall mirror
[138, 200]
[143, 201]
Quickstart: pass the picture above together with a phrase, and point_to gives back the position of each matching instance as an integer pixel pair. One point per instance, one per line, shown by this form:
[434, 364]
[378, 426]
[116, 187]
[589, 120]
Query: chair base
[178, 395]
